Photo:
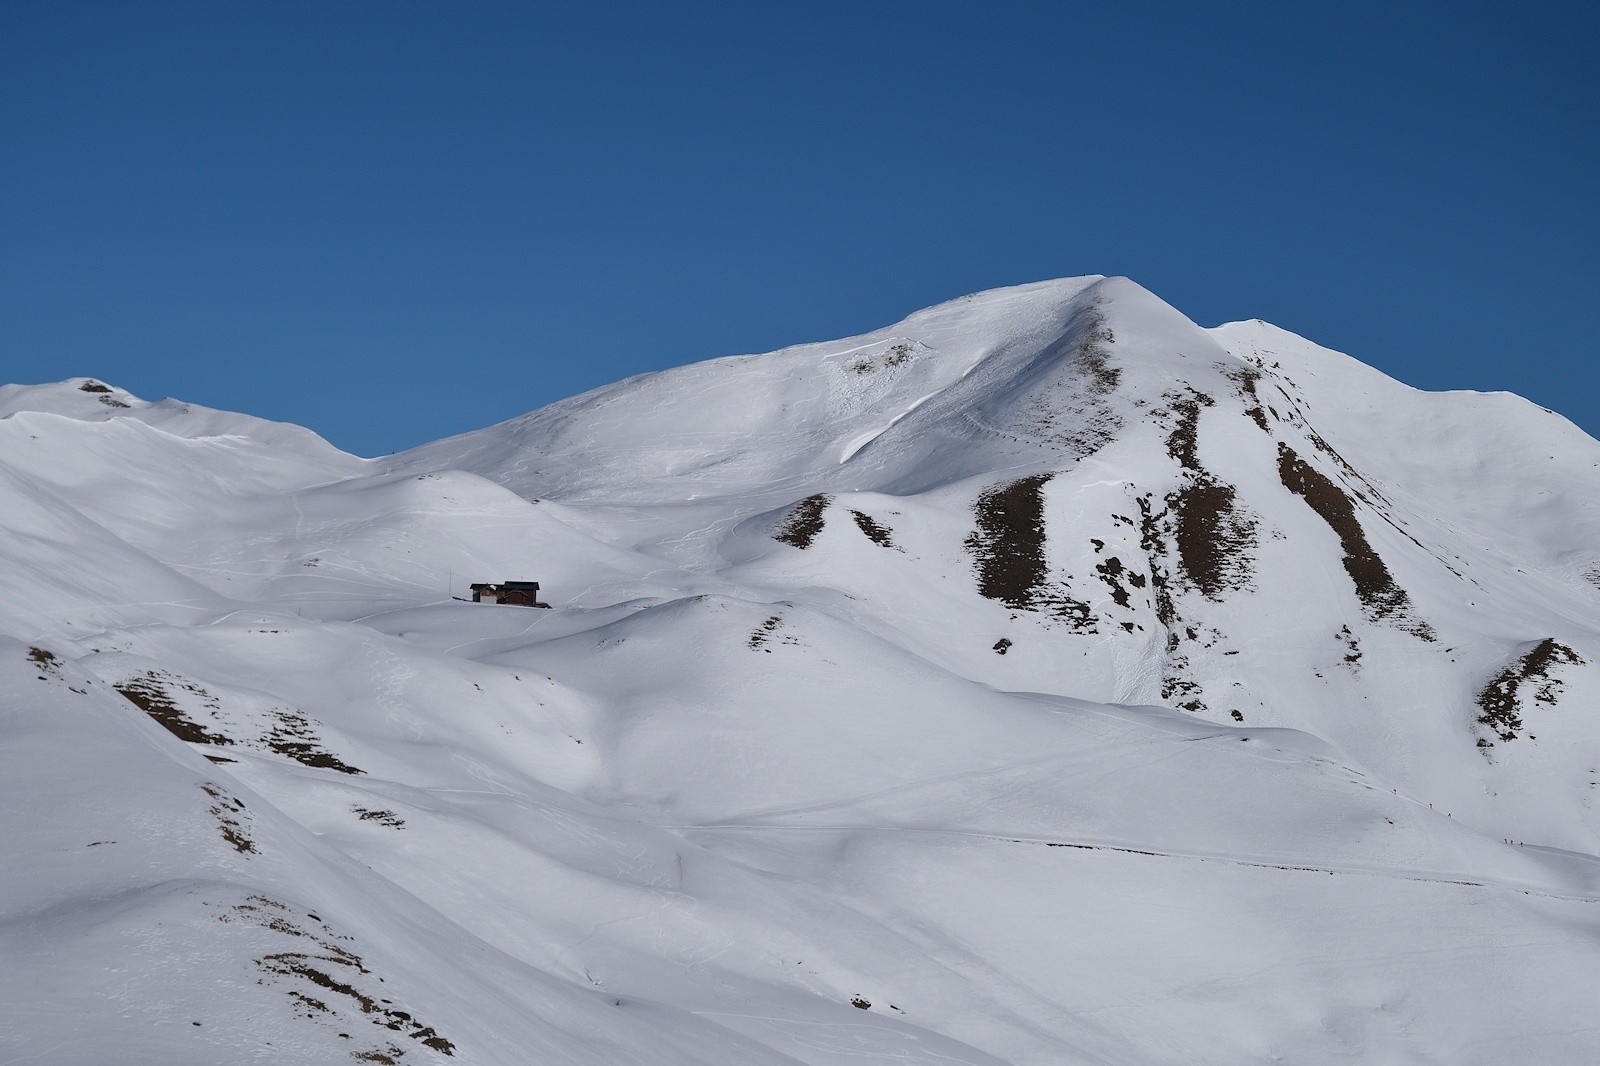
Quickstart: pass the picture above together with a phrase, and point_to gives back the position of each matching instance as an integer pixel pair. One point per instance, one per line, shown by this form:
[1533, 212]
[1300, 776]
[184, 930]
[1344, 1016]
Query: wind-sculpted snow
[1034, 680]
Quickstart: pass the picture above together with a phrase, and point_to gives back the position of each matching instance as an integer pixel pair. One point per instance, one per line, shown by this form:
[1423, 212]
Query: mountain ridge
[1040, 678]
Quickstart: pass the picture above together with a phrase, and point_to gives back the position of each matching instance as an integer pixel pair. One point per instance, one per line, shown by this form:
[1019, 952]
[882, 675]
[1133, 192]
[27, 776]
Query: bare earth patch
[324, 980]
[1008, 551]
[804, 521]
[1375, 586]
[293, 735]
[1526, 680]
[1216, 538]
[232, 818]
[388, 819]
[152, 693]
[876, 533]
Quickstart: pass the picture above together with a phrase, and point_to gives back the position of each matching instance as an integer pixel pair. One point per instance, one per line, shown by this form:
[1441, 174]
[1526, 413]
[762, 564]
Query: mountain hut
[518, 593]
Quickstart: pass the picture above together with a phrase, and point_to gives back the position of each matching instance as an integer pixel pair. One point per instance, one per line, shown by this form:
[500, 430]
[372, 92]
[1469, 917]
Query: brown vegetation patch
[1179, 690]
[1502, 699]
[384, 818]
[152, 693]
[896, 355]
[762, 635]
[1008, 544]
[758, 636]
[292, 735]
[876, 533]
[316, 970]
[1094, 357]
[1114, 574]
[47, 664]
[1374, 497]
[1008, 551]
[1215, 536]
[325, 980]
[1352, 647]
[1245, 377]
[1375, 586]
[804, 521]
[1184, 440]
[1151, 543]
[1074, 612]
[231, 816]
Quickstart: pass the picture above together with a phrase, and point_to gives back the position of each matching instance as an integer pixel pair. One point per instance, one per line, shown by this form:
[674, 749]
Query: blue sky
[393, 221]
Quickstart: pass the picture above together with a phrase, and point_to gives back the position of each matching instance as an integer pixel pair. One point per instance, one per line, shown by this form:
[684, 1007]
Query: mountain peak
[87, 399]
[938, 394]
[92, 400]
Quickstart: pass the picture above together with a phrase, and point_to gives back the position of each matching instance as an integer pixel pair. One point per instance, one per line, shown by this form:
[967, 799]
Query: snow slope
[1043, 678]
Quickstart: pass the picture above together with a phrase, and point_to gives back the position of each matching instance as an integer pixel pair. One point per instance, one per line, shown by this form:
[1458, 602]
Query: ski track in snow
[1290, 865]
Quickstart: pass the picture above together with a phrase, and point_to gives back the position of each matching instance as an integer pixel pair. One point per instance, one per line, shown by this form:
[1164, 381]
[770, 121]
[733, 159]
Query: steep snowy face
[1043, 678]
[818, 413]
[1232, 522]
[1039, 374]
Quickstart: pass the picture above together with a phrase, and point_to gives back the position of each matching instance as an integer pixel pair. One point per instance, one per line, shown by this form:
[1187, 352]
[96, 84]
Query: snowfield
[1041, 679]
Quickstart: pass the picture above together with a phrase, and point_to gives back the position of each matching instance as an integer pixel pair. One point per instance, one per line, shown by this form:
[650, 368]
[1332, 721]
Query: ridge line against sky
[393, 222]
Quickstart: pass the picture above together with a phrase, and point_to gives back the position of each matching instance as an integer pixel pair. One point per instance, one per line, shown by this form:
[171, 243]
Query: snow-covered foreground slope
[1041, 679]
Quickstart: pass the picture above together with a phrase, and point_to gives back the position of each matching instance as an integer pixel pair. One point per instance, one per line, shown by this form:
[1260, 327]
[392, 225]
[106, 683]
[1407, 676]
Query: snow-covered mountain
[1041, 679]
